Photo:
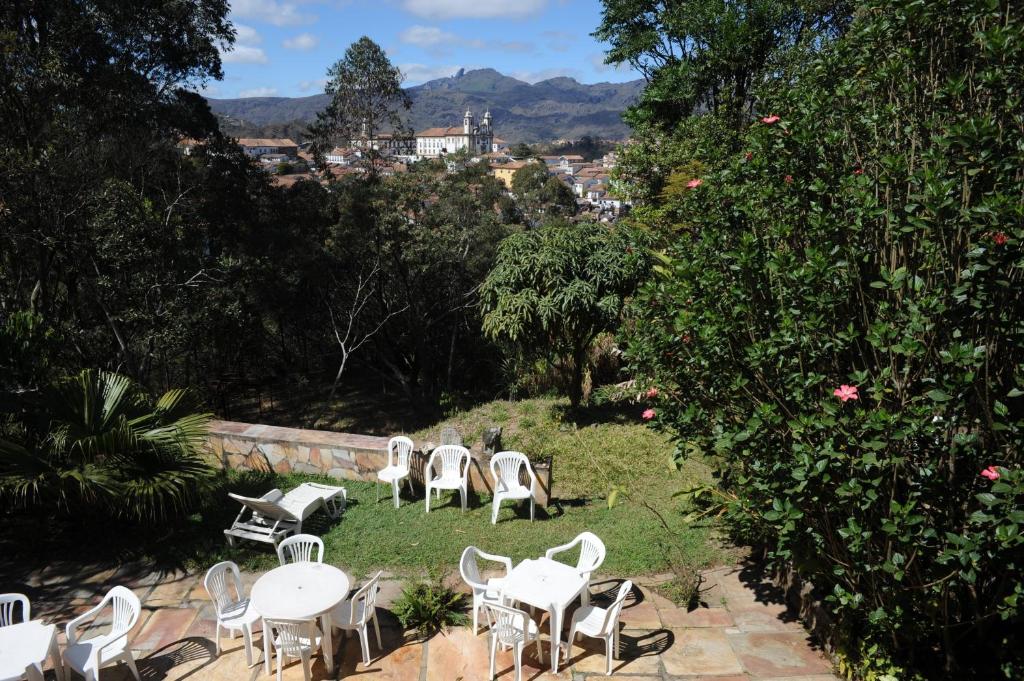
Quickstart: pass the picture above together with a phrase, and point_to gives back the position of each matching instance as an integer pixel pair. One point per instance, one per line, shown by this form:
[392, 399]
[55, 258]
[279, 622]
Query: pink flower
[685, 338]
[648, 414]
[1000, 238]
[694, 183]
[846, 392]
[991, 473]
[749, 155]
[789, 179]
[768, 120]
[652, 393]
[858, 171]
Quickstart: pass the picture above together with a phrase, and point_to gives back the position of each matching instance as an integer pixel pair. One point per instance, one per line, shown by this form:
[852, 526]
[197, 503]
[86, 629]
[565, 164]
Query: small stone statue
[492, 440]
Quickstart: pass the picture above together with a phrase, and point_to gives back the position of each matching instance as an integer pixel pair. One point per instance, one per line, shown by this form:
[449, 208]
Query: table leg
[326, 642]
[267, 634]
[555, 623]
[58, 663]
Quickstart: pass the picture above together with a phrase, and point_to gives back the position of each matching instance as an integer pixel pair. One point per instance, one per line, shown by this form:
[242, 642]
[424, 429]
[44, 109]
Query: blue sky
[285, 47]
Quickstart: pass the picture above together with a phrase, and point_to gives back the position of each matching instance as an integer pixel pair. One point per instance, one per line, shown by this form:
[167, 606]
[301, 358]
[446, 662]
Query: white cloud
[473, 9]
[271, 11]
[210, 90]
[303, 41]
[244, 54]
[307, 85]
[597, 61]
[247, 35]
[439, 42]
[420, 73]
[258, 92]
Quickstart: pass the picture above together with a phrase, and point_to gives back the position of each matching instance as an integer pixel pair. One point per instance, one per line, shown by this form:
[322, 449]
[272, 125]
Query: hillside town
[472, 142]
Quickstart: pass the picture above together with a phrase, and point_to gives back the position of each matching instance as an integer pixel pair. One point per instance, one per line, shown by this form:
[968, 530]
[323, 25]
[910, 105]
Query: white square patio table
[300, 591]
[547, 584]
[24, 647]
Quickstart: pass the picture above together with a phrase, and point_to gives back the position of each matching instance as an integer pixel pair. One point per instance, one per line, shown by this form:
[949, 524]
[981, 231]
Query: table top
[299, 591]
[23, 644]
[543, 583]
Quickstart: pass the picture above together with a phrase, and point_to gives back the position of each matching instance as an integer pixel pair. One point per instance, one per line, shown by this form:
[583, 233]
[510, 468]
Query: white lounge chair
[276, 515]
[506, 469]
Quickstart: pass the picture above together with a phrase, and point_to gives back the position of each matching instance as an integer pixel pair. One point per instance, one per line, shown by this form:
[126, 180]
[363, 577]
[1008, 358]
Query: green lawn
[590, 453]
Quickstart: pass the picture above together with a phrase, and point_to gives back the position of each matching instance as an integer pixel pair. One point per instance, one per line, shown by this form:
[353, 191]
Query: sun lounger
[276, 515]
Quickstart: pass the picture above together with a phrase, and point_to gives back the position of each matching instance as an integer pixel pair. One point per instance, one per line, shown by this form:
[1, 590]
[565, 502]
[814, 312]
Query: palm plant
[101, 442]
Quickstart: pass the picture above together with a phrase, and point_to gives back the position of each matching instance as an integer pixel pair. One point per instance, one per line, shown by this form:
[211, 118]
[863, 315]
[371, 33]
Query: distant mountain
[551, 109]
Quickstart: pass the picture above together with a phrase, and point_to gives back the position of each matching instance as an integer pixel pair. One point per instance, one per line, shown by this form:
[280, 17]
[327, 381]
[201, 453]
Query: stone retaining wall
[345, 456]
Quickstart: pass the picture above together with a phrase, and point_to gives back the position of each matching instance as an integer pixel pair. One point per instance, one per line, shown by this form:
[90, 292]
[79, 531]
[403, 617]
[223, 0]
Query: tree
[554, 289]
[99, 443]
[366, 99]
[541, 196]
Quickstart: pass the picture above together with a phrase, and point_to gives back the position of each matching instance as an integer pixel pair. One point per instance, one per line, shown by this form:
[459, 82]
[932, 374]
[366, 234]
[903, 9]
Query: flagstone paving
[744, 632]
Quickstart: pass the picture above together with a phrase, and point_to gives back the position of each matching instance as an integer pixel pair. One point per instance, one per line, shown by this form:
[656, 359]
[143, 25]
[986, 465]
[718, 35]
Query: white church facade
[478, 139]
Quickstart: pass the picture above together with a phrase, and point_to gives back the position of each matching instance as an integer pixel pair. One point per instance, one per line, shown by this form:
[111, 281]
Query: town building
[477, 139]
[504, 172]
[257, 147]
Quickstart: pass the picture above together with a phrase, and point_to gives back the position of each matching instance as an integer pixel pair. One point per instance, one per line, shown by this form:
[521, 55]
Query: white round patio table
[300, 591]
[24, 646]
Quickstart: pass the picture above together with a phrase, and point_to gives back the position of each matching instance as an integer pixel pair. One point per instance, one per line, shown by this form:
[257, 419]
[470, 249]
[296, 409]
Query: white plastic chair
[88, 656]
[396, 469]
[592, 554]
[296, 639]
[454, 473]
[298, 548]
[234, 611]
[598, 622]
[7, 603]
[506, 469]
[512, 628]
[355, 615]
[488, 591]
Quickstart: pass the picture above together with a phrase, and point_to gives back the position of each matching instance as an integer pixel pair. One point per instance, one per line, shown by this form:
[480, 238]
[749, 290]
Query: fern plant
[429, 606]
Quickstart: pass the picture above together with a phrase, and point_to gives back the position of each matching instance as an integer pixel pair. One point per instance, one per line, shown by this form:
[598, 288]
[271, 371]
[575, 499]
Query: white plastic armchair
[506, 471]
[7, 606]
[88, 656]
[600, 623]
[295, 639]
[399, 452]
[234, 611]
[512, 628]
[454, 471]
[356, 613]
[484, 591]
[592, 554]
[301, 548]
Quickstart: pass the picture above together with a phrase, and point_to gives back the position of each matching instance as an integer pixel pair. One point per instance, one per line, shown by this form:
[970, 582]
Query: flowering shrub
[847, 348]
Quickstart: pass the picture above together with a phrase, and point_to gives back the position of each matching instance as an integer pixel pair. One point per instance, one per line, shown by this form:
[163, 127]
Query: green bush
[868, 236]
[429, 606]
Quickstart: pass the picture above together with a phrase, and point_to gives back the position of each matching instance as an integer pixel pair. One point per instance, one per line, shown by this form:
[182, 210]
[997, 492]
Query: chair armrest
[504, 560]
[74, 624]
[560, 549]
[428, 469]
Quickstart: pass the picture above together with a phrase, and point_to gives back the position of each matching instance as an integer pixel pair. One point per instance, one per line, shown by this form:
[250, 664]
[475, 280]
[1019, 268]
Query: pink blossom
[694, 183]
[749, 155]
[846, 392]
[1000, 238]
[652, 393]
[648, 414]
[991, 473]
[858, 171]
[789, 179]
[768, 120]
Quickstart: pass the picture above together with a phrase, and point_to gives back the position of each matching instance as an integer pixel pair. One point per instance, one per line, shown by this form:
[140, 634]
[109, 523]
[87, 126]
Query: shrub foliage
[867, 235]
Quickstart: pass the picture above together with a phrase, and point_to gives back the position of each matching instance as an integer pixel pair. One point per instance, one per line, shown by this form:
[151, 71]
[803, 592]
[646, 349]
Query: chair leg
[376, 629]
[495, 509]
[247, 637]
[532, 504]
[306, 664]
[618, 645]
[364, 642]
[494, 650]
[408, 479]
[463, 491]
[428, 498]
[540, 651]
[280, 667]
[476, 614]
[585, 596]
[129, 660]
[394, 491]
[217, 637]
[517, 653]
[608, 655]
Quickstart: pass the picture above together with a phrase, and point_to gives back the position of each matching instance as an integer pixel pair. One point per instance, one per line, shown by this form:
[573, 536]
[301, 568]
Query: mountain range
[557, 108]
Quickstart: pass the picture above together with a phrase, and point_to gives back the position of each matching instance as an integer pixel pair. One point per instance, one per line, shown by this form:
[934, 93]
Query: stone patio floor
[744, 634]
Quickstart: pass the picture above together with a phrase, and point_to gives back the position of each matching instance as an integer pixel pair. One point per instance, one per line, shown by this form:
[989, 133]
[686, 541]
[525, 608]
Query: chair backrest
[265, 508]
[592, 552]
[7, 605]
[450, 435]
[219, 582]
[507, 467]
[470, 569]
[293, 636]
[367, 593]
[451, 457]
[508, 624]
[300, 548]
[611, 616]
[126, 607]
[402, 447]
